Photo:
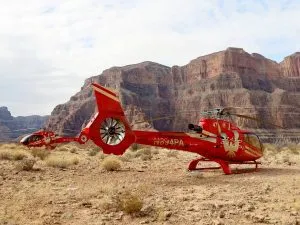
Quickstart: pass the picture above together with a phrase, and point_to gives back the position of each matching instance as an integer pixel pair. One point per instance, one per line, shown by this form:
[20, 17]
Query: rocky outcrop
[233, 77]
[13, 127]
[290, 67]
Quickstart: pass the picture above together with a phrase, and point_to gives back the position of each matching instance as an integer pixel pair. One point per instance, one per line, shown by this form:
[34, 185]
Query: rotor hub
[112, 131]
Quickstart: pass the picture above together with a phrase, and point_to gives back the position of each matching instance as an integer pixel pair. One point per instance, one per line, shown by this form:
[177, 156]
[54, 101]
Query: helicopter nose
[25, 140]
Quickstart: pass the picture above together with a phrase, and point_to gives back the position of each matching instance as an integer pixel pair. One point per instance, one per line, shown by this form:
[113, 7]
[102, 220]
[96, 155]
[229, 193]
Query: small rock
[259, 219]
[240, 204]
[86, 204]
[62, 202]
[222, 214]
[249, 208]
[168, 214]
[120, 216]
[294, 213]
[268, 188]
[67, 216]
[217, 222]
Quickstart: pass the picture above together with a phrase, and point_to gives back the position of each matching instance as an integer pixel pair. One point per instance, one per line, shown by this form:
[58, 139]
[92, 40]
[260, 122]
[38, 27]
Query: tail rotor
[109, 128]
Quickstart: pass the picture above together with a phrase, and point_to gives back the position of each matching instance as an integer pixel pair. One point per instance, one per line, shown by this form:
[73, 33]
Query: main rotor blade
[254, 118]
[167, 117]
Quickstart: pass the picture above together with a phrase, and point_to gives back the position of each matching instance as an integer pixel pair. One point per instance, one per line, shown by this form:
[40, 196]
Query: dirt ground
[86, 193]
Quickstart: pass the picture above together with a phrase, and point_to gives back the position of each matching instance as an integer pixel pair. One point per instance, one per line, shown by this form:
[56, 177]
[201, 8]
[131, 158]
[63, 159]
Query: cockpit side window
[36, 138]
[253, 140]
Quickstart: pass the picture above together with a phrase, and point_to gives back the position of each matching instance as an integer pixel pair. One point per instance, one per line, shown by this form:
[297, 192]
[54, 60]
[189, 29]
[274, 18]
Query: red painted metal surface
[219, 141]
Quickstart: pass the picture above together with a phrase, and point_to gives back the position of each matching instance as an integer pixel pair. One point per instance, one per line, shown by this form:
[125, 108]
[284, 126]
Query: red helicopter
[214, 138]
[45, 138]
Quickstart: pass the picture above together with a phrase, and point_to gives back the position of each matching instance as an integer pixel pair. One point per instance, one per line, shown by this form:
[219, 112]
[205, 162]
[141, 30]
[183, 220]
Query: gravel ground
[86, 193]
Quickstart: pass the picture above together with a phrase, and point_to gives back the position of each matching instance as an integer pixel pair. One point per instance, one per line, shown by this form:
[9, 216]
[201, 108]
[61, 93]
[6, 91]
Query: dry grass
[128, 156]
[281, 154]
[102, 155]
[155, 151]
[146, 157]
[129, 203]
[93, 151]
[172, 153]
[13, 154]
[134, 147]
[5, 154]
[143, 151]
[111, 163]
[61, 161]
[63, 148]
[9, 146]
[73, 149]
[26, 164]
[40, 153]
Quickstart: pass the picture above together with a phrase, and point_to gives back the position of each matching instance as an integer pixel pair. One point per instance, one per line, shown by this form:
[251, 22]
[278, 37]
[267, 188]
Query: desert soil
[85, 193]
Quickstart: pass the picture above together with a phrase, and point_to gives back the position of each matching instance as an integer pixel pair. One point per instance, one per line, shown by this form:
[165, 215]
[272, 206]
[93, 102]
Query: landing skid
[224, 165]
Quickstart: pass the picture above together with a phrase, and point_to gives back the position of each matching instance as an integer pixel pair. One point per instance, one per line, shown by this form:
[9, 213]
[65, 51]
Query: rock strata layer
[233, 77]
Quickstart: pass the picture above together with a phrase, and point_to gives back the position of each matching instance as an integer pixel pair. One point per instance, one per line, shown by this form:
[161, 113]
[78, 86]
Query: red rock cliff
[228, 78]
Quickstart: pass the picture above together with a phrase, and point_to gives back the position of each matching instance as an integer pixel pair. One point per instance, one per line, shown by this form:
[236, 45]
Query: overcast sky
[48, 47]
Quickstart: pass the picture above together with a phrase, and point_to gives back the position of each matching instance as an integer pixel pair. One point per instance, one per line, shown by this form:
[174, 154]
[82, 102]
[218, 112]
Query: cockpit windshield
[30, 138]
[253, 140]
[25, 139]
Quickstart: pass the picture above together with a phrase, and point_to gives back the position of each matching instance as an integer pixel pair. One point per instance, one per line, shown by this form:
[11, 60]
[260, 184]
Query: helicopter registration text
[168, 142]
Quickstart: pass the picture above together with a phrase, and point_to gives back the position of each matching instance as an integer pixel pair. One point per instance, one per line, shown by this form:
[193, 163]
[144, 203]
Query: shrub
[73, 149]
[10, 154]
[143, 151]
[40, 153]
[129, 203]
[93, 151]
[26, 164]
[172, 153]
[155, 151]
[146, 157]
[111, 163]
[19, 155]
[5, 154]
[61, 162]
[64, 148]
[127, 156]
[134, 147]
[102, 155]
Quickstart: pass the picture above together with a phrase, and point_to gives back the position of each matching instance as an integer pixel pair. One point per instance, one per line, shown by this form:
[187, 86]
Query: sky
[49, 47]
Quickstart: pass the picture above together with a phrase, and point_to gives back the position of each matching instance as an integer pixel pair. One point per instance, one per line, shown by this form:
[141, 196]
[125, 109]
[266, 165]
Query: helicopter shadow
[200, 178]
[275, 171]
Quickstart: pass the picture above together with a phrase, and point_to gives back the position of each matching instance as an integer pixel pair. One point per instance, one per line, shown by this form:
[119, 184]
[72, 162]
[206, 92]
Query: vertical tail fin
[109, 128]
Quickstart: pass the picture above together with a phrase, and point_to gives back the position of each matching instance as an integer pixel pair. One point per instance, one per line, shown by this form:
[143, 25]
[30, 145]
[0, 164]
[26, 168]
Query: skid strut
[224, 165]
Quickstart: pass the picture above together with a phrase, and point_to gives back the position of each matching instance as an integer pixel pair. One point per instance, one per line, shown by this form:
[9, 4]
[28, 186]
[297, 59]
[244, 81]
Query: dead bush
[134, 147]
[129, 203]
[12, 154]
[40, 153]
[64, 148]
[172, 153]
[146, 157]
[9, 146]
[127, 156]
[155, 151]
[102, 155]
[61, 162]
[5, 154]
[93, 151]
[143, 151]
[19, 155]
[73, 149]
[111, 163]
[26, 164]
